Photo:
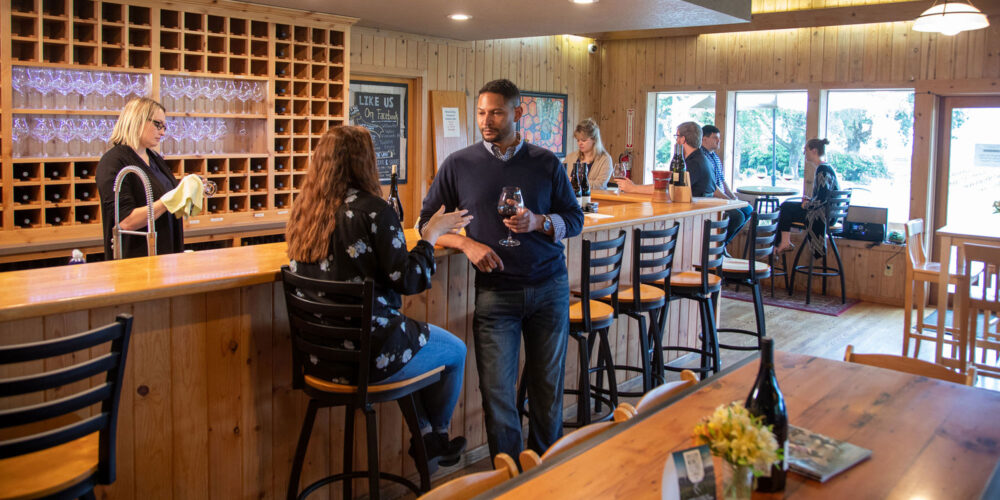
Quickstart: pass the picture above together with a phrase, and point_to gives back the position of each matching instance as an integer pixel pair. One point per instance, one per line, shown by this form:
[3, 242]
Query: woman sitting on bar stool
[341, 229]
[591, 151]
[138, 131]
[811, 211]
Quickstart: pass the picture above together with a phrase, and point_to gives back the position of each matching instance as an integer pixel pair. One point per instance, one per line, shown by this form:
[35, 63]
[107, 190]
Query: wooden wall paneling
[225, 446]
[288, 405]
[124, 485]
[458, 311]
[150, 356]
[912, 65]
[977, 46]
[922, 199]
[778, 71]
[897, 46]
[944, 67]
[991, 66]
[22, 332]
[57, 326]
[189, 398]
[256, 398]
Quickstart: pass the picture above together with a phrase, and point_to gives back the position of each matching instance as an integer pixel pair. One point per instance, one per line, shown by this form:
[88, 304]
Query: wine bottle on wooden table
[766, 401]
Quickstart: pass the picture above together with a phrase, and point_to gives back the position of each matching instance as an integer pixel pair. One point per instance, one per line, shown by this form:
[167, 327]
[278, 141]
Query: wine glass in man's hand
[508, 206]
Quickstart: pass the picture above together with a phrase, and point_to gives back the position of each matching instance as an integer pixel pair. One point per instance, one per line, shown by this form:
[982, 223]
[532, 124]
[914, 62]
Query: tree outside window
[770, 134]
[871, 136]
[672, 109]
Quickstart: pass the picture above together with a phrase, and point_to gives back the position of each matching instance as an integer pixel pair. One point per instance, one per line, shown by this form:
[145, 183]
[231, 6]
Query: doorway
[968, 174]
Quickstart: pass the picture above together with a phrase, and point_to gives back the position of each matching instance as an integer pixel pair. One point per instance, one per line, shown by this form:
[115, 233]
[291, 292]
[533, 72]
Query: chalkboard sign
[381, 108]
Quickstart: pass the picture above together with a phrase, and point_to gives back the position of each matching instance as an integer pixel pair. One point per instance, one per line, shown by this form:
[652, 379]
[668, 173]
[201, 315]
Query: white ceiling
[523, 18]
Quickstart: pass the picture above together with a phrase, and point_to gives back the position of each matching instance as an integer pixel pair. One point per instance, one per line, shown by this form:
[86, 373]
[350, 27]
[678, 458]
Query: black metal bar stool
[839, 201]
[323, 330]
[749, 272]
[62, 455]
[703, 286]
[652, 263]
[589, 321]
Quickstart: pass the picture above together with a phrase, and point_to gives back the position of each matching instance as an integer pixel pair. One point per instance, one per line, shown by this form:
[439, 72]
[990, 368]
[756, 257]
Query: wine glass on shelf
[104, 83]
[245, 94]
[41, 83]
[123, 87]
[204, 94]
[20, 133]
[229, 92]
[191, 92]
[141, 85]
[43, 132]
[259, 93]
[63, 85]
[66, 135]
[510, 203]
[19, 83]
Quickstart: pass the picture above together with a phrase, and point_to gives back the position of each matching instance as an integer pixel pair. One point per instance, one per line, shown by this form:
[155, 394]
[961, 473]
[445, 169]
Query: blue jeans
[436, 402]
[500, 319]
[737, 218]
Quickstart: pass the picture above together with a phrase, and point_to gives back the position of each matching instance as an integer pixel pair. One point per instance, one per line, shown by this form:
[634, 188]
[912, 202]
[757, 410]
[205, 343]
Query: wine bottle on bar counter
[584, 184]
[765, 400]
[393, 198]
[678, 166]
[574, 179]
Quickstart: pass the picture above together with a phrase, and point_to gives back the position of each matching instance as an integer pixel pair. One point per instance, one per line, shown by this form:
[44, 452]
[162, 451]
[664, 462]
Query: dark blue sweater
[472, 179]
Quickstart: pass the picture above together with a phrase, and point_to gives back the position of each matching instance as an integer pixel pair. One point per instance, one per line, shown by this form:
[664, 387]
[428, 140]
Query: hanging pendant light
[950, 18]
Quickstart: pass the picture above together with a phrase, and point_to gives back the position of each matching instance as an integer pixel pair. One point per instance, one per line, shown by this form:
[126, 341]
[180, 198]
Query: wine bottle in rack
[54, 197]
[393, 198]
[279, 184]
[766, 401]
[26, 222]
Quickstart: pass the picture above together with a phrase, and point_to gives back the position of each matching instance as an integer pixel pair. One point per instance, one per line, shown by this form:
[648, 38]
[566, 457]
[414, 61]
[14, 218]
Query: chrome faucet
[150, 231]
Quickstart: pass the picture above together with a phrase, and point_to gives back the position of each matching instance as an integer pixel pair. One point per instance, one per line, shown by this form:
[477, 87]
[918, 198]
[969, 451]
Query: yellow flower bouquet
[738, 437]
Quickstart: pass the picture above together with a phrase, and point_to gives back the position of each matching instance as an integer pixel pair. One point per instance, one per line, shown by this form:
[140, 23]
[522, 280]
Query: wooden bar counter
[207, 405]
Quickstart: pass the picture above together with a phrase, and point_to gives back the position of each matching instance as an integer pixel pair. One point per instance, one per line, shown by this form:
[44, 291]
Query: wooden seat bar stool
[839, 201]
[919, 273]
[60, 454]
[980, 308]
[749, 272]
[652, 263]
[589, 321]
[331, 326]
[703, 286]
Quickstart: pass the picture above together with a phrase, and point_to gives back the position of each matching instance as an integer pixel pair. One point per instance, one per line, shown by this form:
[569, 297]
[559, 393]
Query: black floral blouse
[368, 242]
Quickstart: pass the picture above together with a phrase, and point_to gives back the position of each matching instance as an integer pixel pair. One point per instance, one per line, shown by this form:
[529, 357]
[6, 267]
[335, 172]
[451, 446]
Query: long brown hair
[343, 159]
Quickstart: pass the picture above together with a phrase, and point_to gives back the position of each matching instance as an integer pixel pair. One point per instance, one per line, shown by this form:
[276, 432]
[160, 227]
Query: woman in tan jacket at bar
[591, 150]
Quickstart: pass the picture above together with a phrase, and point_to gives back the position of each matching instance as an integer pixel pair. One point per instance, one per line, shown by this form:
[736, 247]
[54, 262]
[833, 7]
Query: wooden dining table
[957, 234]
[929, 439]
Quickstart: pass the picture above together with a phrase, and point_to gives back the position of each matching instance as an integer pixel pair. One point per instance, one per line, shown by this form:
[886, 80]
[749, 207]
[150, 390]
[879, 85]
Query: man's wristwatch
[547, 224]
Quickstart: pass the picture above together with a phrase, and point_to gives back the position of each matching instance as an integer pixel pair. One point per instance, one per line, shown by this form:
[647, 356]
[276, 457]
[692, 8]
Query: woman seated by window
[340, 229]
[813, 211]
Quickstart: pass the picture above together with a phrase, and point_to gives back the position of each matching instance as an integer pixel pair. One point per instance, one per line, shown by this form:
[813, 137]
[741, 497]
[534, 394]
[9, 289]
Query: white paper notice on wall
[450, 120]
[987, 155]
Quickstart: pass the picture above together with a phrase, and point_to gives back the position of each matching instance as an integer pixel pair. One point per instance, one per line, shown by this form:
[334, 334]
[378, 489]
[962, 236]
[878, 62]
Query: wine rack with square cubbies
[309, 90]
[260, 160]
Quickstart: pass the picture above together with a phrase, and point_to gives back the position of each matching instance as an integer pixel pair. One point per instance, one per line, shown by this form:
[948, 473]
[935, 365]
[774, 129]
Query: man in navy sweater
[521, 290]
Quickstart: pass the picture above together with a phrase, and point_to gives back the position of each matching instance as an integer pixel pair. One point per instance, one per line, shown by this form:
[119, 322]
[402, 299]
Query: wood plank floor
[870, 327]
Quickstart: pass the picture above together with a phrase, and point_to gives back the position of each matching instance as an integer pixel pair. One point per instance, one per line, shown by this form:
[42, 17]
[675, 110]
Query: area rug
[819, 304]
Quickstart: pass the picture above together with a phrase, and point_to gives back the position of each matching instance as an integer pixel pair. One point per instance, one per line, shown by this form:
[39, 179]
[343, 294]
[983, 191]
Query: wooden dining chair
[663, 392]
[981, 307]
[911, 366]
[530, 459]
[921, 272]
[61, 454]
[471, 485]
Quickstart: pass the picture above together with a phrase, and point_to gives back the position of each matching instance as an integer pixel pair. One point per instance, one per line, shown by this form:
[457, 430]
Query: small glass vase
[737, 481]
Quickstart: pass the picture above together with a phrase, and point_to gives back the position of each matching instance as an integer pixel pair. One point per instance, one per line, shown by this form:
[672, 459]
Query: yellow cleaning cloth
[187, 199]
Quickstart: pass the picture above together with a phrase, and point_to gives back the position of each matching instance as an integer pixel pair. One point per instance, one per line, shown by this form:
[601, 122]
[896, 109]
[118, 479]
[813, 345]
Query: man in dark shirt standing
[702, 180]
[710, 139]
[520, 290]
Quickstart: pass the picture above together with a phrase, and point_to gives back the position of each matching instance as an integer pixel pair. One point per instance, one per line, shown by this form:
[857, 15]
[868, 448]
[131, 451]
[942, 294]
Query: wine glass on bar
[510, 203]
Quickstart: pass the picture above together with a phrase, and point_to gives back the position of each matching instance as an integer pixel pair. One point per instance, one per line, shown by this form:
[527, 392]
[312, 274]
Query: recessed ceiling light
[584, 1]
[460, 17]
